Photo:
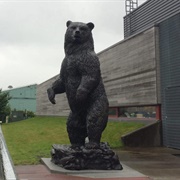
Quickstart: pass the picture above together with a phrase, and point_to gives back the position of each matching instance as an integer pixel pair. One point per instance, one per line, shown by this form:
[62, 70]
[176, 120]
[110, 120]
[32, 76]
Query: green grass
[31, 139]
[114, 130]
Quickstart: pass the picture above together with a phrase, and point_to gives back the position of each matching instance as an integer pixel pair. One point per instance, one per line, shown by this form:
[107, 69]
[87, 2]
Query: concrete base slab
[126, 172]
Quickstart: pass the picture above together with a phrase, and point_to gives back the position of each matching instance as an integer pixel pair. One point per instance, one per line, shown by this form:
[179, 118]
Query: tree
[4, 100]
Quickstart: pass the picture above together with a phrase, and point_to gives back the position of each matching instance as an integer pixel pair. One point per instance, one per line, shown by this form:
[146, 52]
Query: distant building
[23, 98]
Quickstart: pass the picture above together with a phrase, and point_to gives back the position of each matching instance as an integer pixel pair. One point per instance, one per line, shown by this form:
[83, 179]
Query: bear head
[78, 32]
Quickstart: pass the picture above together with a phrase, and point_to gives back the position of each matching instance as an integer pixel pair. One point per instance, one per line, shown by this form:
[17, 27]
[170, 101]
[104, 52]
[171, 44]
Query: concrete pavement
[140, 164]
[40, 172]
[158, 163]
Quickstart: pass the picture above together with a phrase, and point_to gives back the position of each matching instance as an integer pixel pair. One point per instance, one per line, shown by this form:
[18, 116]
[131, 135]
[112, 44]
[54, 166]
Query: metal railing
[7, 165]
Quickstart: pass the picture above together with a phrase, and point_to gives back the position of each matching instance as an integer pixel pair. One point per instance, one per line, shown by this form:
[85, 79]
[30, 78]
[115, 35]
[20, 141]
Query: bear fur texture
[80, 78]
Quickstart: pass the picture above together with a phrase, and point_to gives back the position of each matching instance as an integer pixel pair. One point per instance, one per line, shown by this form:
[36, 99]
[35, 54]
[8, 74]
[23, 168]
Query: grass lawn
[31, 139]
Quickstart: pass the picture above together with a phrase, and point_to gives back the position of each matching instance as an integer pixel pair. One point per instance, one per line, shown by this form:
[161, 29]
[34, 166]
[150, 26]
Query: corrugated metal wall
[149, 14]
[169, 38]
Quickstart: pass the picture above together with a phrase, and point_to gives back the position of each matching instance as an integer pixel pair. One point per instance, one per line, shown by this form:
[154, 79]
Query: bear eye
[73, 27]
[83, 28]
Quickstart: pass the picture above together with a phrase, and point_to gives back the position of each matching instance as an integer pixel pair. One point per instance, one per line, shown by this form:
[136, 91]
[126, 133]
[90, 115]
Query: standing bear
[80, 78]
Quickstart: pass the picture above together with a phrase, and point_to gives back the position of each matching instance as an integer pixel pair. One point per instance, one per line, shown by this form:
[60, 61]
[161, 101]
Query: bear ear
[68, 23]
[90, 25]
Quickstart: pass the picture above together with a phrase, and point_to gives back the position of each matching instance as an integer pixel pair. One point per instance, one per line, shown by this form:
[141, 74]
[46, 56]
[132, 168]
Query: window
[113, 112]
[136, 112]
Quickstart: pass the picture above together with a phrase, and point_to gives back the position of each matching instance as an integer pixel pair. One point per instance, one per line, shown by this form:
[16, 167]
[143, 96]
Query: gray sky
[32, 35]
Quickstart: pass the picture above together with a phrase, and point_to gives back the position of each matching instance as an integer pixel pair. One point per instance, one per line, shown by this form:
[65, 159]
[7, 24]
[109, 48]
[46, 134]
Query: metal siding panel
[169, 38]
[148, 14]
[23, 98]
[172, 106]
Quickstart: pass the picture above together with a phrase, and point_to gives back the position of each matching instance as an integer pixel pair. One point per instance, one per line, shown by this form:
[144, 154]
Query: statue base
[81, 158]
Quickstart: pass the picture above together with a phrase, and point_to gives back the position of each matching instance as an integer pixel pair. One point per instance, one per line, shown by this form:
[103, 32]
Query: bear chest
[72, 68]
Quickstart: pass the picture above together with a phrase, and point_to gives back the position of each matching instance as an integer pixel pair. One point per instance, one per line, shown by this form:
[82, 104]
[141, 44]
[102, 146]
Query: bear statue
[80, 78]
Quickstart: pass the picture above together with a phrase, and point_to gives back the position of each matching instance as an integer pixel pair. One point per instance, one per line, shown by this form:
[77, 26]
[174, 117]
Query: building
[165, 16]
[23, 98]
[141, 73]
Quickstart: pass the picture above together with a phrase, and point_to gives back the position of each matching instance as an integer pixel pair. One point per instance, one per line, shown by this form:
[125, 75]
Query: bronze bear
[80, 77]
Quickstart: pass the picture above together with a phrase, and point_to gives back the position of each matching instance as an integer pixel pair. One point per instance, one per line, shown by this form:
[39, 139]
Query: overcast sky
[32, 35]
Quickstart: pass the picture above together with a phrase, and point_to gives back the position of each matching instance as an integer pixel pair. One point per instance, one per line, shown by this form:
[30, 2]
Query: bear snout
[77, 35]
[77, 31]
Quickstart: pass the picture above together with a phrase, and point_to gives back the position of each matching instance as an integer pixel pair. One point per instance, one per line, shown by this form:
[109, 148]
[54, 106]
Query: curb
[8, 165]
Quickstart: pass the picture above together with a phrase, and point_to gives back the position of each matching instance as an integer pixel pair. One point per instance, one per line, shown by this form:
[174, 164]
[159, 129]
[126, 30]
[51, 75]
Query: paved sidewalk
[158, 163]
[151, 163]
[40, 172]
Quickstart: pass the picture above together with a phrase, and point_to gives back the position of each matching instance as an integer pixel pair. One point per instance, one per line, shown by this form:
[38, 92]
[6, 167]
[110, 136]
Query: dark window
[138, 112]
[113, 111]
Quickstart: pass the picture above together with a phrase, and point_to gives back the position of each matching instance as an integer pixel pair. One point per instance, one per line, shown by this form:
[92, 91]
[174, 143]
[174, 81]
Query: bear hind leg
[76, 130]
[97, 119]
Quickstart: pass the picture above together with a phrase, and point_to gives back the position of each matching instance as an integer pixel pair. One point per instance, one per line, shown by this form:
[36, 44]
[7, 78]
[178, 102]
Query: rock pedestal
[81, 158]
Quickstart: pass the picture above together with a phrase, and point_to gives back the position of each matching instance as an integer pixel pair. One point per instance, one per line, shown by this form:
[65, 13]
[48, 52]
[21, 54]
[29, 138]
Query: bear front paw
[51, 95]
